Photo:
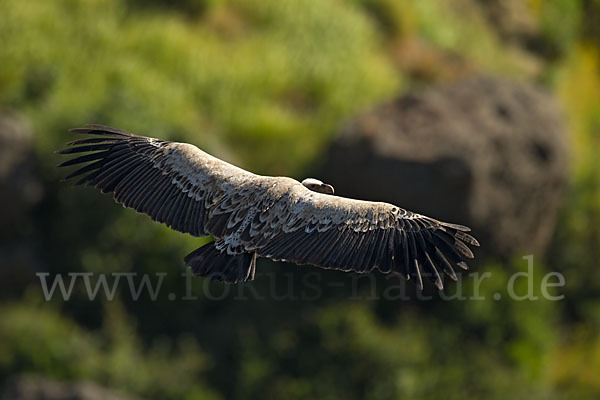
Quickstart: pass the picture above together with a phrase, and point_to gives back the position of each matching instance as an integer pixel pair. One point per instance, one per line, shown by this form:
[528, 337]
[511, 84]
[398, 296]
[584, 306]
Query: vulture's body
[251, 215]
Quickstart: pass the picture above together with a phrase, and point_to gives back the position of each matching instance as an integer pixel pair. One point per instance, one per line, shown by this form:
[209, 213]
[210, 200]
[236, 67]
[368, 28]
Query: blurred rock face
[486, 153]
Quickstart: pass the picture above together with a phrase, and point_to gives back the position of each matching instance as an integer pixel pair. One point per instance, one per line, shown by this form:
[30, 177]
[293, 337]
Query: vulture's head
[317, 186]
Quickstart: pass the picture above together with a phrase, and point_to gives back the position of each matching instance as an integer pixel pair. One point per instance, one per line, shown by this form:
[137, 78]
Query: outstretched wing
[174, 183]
[346, 234]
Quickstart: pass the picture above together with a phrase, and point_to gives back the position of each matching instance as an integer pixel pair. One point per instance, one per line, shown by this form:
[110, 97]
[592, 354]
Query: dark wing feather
[361, 236]
[171, 182]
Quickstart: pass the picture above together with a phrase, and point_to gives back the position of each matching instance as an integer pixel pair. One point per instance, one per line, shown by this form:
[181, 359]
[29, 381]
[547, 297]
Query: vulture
[251, 216]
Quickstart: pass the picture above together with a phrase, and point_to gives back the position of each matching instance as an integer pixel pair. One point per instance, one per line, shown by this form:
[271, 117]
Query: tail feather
[211, 263]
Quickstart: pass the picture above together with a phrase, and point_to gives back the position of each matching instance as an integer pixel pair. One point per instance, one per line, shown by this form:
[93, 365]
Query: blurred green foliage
[265, 83]
[44, 342]
[253, 73]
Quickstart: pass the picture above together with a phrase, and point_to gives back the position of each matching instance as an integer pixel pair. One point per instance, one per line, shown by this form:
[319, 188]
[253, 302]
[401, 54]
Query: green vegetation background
[265, 84]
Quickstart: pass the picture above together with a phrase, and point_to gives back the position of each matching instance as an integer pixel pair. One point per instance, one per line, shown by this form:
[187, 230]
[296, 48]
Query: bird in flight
[252, 216]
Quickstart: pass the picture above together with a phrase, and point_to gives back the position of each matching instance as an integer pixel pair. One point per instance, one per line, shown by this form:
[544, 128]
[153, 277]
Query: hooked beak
[327, 189]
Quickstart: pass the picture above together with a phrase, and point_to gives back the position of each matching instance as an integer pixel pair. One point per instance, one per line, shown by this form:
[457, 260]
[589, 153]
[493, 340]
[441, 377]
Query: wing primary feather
[294, 243]
[333, 241]
[152, 180]
[386, 253]
[417, 232]
[310, 247]
[112, 169]
[140, 186]
[370, 250]
[186, 214]
[148, 195]
[455, 244]
[360, 251]
[405, 253]
[96, 129]
[171, 218]
[441, 239]
[341, 250]
[463, 249]
[447, 267]
[165, 207]
[378, 244]
[84, 158]
[327, 242]
[122, 181]
[154, 200]
[125, 187]
[417, 273]
[427, 262]
[114, 162]
[147, 182]
[88, 131]
[298, 249]
[163, 200]
[93, 140]
[436, 278]
[201, 217]
[85, 148]
[113, 182]
[289, 242]
[314, 247]
[349, 258]
[461, 228]
[88, 168]
[193, 225]
[414, 260]
[465, 237]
